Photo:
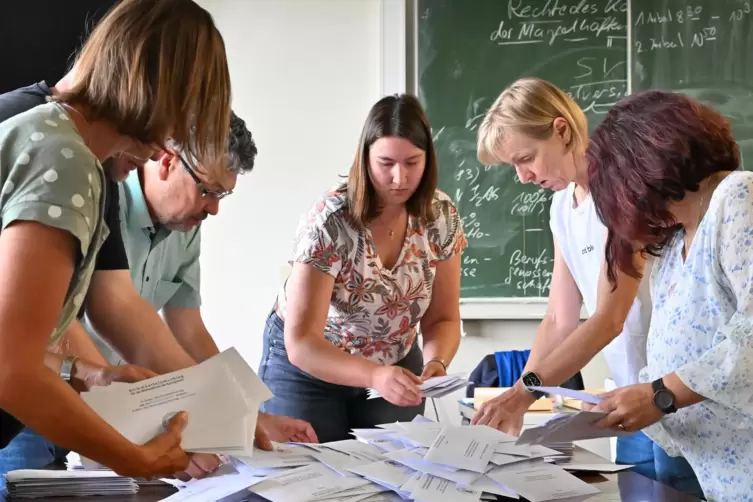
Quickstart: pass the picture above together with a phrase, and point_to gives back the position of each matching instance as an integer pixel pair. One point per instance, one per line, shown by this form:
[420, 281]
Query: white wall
[304, 74]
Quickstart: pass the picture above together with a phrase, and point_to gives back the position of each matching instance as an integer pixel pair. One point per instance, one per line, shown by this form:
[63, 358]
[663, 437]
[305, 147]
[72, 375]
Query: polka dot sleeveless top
[48, 175]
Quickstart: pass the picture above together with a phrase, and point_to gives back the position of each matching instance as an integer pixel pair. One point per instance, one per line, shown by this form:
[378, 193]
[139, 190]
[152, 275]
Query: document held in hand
[221, 395]
[567, 427]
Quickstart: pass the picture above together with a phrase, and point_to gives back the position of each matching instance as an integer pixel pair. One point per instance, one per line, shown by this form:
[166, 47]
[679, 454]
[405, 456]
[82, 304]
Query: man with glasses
[161, 205]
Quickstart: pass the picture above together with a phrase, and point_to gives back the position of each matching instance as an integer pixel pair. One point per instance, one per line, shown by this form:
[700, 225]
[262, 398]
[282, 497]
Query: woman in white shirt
[541, 131]
[663, 171]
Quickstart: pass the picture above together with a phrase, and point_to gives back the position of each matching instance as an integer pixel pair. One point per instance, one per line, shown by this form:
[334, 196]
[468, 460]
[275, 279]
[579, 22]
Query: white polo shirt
[582, 238]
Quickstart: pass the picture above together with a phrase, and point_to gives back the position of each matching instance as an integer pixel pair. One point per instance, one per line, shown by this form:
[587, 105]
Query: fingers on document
[200, 466]
[131, 373]
[410, 391]
[262, 440]
[170, 457]
[308, 435]
[407, 395]
[482, 415]
[413, 377]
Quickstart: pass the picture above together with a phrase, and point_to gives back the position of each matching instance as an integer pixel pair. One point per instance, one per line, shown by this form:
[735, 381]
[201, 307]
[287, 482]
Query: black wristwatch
[531, 379]
[663, 397]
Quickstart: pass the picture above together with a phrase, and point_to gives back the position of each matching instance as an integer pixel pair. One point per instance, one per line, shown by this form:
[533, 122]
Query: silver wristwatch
[66, 370]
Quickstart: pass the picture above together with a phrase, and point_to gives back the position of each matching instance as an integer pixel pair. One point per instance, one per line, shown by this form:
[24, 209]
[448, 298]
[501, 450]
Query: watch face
[531, 380]
[664, 400]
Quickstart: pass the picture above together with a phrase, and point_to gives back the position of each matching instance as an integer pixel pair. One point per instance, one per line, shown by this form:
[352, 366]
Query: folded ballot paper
[435, 386]
[222, 396]
[568, 427]
[422, 460]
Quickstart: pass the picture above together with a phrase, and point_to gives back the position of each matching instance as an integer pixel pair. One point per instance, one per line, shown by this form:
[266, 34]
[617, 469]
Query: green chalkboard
[468, 51]
[703, 49]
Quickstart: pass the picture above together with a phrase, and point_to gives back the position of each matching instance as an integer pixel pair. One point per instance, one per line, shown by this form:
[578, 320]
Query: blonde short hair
[157, 70]
[529, 106]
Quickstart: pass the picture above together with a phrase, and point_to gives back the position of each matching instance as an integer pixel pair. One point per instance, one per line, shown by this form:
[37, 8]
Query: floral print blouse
[374, 311]
[702, 329]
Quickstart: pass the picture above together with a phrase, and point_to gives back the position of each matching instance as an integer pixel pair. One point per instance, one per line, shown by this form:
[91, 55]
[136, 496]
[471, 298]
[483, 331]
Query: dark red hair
[651, 148]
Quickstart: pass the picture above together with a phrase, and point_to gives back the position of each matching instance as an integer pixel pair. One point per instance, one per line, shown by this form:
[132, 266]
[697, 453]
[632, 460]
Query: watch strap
[658, 385]
[66, 369]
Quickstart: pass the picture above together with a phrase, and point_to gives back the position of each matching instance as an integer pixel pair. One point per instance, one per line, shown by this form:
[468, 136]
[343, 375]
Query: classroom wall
[304, 74]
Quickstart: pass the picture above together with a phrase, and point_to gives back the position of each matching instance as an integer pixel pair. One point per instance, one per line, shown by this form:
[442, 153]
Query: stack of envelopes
[435, 386]
[222, 396]
[37, 483]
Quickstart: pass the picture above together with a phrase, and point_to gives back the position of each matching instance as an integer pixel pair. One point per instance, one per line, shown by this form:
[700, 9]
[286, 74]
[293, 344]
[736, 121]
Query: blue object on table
[503, 369]
[510, 365]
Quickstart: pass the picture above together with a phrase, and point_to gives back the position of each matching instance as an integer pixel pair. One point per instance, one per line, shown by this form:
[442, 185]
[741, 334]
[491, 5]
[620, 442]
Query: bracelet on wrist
[436, 360]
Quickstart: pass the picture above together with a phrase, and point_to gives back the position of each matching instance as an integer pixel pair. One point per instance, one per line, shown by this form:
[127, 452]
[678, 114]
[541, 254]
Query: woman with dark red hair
[663, 174]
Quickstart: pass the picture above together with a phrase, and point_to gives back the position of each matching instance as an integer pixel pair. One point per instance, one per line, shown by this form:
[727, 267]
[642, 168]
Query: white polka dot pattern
[50, 176]
[47, 174]
[55, 212]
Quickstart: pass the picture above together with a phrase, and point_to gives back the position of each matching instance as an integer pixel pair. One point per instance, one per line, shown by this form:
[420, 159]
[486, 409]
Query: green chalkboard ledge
[506, 309]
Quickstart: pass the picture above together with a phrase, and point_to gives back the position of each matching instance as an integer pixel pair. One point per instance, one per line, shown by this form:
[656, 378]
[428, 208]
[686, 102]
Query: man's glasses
[205, 192]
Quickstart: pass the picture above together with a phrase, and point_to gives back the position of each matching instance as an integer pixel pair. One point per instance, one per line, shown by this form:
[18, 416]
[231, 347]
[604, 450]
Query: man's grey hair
[241, 149]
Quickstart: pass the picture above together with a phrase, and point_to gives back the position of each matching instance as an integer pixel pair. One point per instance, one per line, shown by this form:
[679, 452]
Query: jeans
[28, 450]
[333, 410]
[652, 461]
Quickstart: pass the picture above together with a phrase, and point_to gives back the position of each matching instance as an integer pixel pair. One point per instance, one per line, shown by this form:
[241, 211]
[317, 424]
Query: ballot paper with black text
[221, 396]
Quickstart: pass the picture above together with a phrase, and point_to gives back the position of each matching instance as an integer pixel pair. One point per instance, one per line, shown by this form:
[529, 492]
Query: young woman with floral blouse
[374, 257]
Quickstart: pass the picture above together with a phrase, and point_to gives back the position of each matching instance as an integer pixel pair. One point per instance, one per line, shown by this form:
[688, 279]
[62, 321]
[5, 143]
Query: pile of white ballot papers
[435, 386]
[422, 461]
[37, 483]
[222, 396]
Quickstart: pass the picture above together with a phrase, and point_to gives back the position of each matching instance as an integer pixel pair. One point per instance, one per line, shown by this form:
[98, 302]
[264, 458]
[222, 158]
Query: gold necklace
[390, 232]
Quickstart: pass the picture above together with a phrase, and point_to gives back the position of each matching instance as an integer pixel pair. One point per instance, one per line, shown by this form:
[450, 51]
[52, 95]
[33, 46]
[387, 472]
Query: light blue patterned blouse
[702, 329]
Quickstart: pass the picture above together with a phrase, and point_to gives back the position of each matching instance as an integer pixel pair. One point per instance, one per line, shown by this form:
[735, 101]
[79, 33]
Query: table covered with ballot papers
[421, 460]
[623, 485]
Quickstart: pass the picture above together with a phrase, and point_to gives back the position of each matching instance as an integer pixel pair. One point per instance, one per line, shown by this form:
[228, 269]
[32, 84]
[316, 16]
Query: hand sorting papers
[435, 386]
[222, 396]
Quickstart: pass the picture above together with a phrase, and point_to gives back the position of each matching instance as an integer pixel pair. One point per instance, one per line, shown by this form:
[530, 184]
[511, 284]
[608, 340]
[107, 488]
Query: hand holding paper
[397, 385]
[438, 386]
[221, 395]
